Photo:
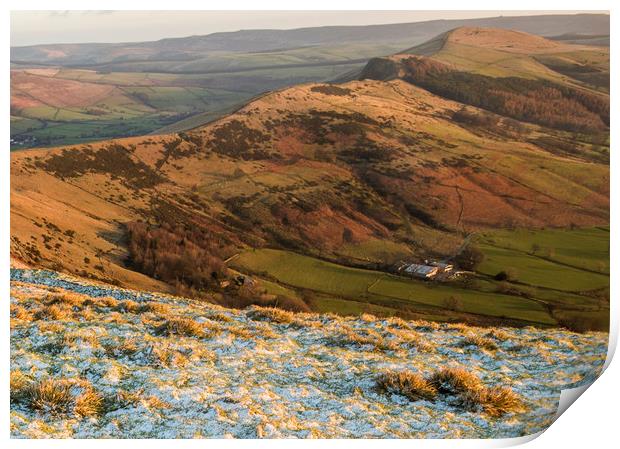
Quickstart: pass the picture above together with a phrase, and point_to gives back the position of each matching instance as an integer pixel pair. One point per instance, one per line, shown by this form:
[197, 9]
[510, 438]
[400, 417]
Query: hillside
[176, 84]
[93, 361]
[410, 183]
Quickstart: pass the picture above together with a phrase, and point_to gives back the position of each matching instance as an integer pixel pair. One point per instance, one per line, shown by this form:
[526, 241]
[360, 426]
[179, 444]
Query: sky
[46, 27]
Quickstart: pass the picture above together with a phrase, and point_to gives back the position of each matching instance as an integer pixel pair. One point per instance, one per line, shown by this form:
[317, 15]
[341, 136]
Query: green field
[550, 286]
[379, 288]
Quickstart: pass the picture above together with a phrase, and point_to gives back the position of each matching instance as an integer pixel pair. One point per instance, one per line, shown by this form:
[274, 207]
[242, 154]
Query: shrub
[469, 258]
[411, 385]
[453, 303]
[508, 274]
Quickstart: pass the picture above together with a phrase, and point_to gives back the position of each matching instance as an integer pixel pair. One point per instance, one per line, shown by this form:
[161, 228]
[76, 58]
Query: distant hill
[178, 52]
[511, 73]
[182, 83]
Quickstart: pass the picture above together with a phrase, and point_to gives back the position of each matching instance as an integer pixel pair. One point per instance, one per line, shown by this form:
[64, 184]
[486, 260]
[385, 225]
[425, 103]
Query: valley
[382, 231]
[314, 193]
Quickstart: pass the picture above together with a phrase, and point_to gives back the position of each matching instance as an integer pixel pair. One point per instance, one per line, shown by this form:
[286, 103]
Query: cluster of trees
[176, 254]
[535, 101]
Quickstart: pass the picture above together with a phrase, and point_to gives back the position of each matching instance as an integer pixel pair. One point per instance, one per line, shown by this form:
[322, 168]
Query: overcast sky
[46, 27]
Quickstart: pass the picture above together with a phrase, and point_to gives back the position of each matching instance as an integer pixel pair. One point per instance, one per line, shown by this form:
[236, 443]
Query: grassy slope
[251, 198]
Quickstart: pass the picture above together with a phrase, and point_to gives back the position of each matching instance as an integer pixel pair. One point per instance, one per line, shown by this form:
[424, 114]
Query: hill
[176, 84]
[193, 48]
[94, 361]
[513, 74]
[364, 174]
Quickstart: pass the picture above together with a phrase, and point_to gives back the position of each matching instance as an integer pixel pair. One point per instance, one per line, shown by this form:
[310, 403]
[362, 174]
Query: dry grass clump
[127, 347]
[51, 396]
[412, 339]
[80, 336]
[222, 317]
[128, 306]
[19, 384]
[114, 317]
[264, 330]
[103, 302]
[271, 314]
[368, 318]
[55, 312]
[67, 298]
[157, 308]
[498, 334]
[426, 326]
[88, 402]
[20, 313]
[411, 385]
[241, 332]
[54, 328]
[122, 399]
[481, 342]
[473, 395]
[56, 396]
[398, 322]
[167, 356]
[453, 380]
[347, 336]
[180, 326]
[495, 402]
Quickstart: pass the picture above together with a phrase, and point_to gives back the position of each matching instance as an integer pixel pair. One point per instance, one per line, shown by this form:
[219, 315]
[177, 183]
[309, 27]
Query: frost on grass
[91, 361]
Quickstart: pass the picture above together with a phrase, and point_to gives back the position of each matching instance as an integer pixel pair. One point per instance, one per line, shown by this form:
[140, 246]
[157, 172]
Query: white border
[591, 421]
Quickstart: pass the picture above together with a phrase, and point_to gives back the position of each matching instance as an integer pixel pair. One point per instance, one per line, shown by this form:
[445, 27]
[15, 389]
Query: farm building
[443, 267]
[421, 271]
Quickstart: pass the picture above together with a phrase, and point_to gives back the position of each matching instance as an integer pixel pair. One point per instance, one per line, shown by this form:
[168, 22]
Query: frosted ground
[253, 373]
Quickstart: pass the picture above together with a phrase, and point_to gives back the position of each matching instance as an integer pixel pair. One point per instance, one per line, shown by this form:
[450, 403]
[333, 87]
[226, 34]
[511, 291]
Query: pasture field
[379, 288]
[60, 108]
[586, 249]
[550, 286]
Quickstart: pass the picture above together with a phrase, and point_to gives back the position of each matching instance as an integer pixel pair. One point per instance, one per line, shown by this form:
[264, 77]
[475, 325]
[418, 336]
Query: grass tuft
[19, 385]
[479, 341]
[495, 402]
[411, 385]
[271, 314]
[88, 403]
[51, 396]
[455, 381]
[180, 326]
